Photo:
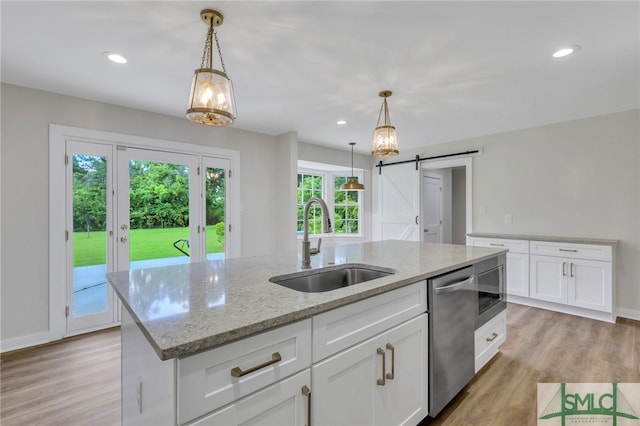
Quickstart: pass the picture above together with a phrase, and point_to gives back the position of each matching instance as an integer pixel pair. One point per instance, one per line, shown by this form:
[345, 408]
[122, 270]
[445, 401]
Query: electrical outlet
[508, 219]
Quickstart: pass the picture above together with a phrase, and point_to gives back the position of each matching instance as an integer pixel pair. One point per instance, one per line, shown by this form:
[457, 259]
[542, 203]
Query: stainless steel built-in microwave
[490, 285]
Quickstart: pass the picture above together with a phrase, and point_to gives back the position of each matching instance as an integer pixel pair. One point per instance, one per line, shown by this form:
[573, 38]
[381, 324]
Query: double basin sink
[331, 278]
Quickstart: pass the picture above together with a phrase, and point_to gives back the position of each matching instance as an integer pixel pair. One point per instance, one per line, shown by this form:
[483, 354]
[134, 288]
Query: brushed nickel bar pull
[564, 269]
[238, 372]
[571, 273]
[381, 351]
[569, 250]
[391, 375]
[492, 338]
[307, 392]
[496, 244]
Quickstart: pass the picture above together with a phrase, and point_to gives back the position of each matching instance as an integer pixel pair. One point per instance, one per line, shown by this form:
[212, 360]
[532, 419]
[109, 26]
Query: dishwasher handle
[454, 286]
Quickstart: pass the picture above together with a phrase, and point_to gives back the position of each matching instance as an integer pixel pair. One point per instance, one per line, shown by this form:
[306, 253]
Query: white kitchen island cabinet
[230, 347]
[381, 381]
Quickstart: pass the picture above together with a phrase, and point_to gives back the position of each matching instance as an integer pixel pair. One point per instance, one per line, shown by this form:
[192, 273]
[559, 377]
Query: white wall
[577, 179]
[25, 119]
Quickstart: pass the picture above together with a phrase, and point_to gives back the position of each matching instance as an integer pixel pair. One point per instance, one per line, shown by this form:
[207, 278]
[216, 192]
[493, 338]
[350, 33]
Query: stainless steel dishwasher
[452, 311]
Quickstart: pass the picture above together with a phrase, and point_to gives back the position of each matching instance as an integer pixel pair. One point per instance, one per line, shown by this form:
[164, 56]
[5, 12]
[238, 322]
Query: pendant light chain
[215, 34]
[207, 49]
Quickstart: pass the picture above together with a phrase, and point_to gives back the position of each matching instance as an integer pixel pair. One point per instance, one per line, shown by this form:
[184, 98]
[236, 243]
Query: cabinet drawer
[340, 328]
[515, 246]
[489, 337]
[205, 380]
[281, 404]
[575, 251]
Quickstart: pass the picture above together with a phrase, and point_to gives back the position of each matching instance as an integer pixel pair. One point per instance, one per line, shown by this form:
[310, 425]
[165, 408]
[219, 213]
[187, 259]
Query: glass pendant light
[212, 101]
[352, 183]
[385, 141]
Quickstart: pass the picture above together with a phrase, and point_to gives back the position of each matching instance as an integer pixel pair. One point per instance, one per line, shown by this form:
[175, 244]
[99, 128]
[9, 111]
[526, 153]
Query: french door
[132, 208]
[90, 302]
[157, 219]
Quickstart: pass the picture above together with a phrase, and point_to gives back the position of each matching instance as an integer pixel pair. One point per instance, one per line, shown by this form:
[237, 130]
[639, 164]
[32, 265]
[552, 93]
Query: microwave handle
[455, 286]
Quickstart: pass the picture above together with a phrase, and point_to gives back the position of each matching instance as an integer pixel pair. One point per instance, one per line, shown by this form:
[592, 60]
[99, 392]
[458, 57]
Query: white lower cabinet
[575, 282]
[381, 381]
[571, 277]
[283, 404]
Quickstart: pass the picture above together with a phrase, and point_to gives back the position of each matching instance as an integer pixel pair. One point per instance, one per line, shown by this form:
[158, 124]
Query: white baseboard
[629, 313]
[22, 342]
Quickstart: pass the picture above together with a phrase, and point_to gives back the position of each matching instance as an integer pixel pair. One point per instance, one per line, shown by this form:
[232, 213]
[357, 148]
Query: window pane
[309, 185]
[346, 208]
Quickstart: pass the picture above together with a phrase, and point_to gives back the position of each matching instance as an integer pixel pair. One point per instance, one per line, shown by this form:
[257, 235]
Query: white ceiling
[456, 69]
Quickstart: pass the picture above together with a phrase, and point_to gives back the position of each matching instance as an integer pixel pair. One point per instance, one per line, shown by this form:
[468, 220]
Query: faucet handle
[316, 250]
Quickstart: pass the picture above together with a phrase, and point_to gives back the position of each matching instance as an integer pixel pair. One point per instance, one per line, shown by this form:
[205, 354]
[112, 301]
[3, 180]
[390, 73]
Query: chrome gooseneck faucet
[307, 251]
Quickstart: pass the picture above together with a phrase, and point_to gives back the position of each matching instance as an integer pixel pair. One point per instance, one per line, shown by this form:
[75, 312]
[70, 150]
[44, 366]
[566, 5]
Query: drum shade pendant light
[211, 101]
[352, 183]
[385, 141]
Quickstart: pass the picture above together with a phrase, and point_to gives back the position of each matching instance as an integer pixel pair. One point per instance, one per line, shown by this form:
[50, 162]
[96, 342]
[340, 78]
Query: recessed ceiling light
[115, 57]
[565, 51]
[341, 122]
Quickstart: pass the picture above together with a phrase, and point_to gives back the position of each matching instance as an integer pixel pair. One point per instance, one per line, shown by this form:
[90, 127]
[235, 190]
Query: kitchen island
[177, 319]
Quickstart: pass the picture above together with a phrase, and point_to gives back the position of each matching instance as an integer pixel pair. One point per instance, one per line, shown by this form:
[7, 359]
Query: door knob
[124, 226]
[123, 239]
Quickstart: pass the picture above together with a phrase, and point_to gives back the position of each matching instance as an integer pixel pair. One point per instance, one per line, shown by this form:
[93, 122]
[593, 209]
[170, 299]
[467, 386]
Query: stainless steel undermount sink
[332, 277]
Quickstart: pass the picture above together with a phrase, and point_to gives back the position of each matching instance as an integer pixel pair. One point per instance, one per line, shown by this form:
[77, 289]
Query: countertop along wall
[26, 114]
[577, 178]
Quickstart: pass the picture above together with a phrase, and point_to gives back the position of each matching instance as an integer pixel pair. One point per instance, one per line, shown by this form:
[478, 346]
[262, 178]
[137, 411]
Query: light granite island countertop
[185, 309]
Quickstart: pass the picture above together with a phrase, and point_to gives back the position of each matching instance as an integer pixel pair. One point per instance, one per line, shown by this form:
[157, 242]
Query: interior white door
[432, 209]
[160, 225]
[398, 203]
[90, 301]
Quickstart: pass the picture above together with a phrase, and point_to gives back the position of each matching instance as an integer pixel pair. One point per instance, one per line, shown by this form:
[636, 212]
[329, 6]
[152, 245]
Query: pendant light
[385, 141]
[352, 183]
[211, 101]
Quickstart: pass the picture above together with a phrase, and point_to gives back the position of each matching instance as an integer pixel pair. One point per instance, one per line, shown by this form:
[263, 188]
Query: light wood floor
[72, 382]
[543, 347]
[77, 381]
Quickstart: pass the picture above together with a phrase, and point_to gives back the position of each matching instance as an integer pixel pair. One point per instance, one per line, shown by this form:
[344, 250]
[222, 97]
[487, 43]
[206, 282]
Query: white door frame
[58, 135]
[466, 162]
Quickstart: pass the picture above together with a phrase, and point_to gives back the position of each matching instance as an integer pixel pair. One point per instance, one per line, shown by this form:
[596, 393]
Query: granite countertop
[184, 309]
[574, 240]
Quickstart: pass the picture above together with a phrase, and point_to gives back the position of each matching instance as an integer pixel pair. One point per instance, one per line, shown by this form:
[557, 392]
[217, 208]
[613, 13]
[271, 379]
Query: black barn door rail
[417, 160]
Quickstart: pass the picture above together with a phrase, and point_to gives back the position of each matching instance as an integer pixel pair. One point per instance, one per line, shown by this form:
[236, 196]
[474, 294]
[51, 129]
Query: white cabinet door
[398, 207]
[518, 274]
[403, 399]
[590, 284]
[352, 388]
[548, 278]
[282, 404]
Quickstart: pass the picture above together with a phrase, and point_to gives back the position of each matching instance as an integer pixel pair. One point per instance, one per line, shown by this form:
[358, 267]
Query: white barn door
[398, 206]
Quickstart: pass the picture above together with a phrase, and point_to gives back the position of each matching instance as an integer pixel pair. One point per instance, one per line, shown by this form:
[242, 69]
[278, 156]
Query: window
[345, 205]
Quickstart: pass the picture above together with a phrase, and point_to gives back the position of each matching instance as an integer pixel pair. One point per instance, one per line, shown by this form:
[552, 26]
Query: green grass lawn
[144, 244]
